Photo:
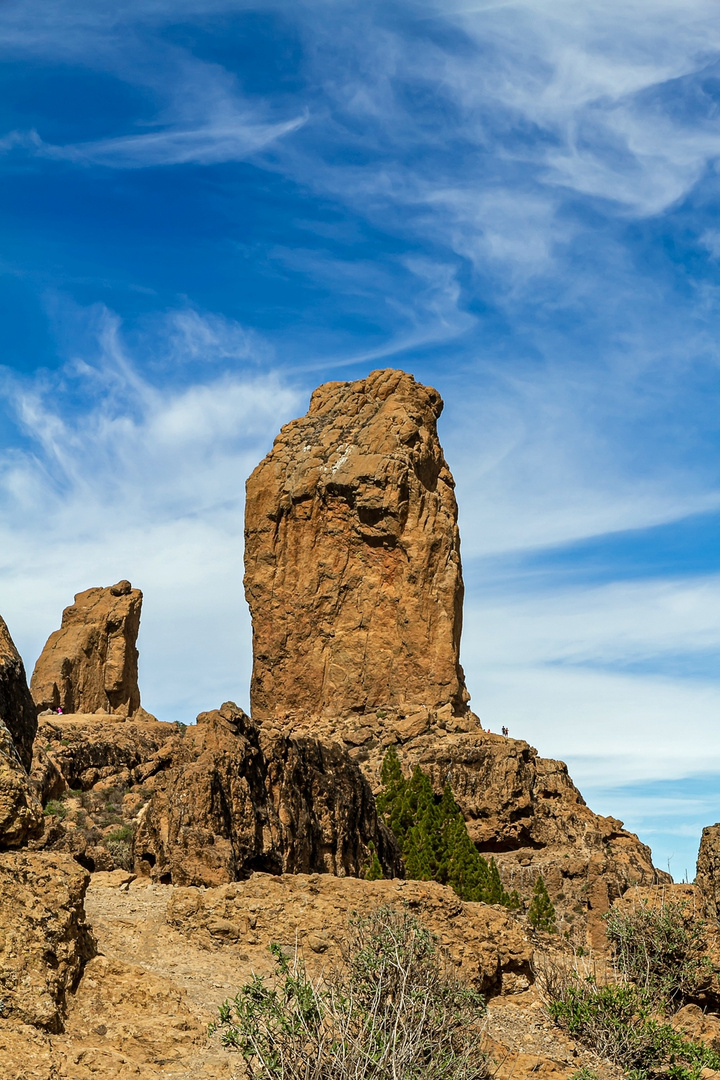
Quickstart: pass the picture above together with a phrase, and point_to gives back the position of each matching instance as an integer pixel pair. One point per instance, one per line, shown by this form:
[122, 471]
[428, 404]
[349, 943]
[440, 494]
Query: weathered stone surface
[90, 664]
[44, 941]
[20, 811]
[83, 750]
[707, 877]
[16, 703]
[489, 946]
[226, 802]
[352, 559]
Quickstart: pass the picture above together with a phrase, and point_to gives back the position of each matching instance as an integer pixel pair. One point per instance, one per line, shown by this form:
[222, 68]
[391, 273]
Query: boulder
[352, 559]
[90, 664]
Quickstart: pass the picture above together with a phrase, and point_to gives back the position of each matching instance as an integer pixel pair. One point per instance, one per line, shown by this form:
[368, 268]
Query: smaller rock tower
[352, 559]
[91, 663]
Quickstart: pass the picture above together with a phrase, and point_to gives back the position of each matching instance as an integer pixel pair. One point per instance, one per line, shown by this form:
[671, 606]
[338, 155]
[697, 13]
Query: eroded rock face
[354, 583]
[44, 941]
[91, 663]
[226, 803]
[16, 703]
[20, 811]
[707, 878]
[352, 559]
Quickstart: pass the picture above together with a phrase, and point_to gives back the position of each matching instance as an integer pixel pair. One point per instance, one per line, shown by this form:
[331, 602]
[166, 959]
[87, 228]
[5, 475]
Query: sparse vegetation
[374, 871]
[433, 836]
[119, 844]
[541, 913]
[392, 1010]
[662, 951]
[658, 966]
[55, 808]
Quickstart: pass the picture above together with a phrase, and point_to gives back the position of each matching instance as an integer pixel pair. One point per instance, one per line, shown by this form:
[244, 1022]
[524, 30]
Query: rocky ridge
[20, 810]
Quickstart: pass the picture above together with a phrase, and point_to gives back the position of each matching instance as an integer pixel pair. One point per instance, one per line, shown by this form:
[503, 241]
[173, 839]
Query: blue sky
[206, 209]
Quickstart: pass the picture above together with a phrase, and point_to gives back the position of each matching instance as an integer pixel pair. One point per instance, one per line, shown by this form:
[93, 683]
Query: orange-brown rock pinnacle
[352, 559]
[91, 663]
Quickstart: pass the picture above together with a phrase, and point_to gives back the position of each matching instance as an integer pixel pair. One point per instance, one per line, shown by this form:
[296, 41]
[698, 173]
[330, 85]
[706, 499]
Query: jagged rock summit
[90, 664]
[352, 559]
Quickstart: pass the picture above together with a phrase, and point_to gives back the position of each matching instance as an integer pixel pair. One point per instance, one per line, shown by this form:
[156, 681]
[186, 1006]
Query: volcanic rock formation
[20, 812]
[16, 703]
[44, 941]
[707, 877]
[354, 581]
[352, 559]
[226, 803]
[91, 663]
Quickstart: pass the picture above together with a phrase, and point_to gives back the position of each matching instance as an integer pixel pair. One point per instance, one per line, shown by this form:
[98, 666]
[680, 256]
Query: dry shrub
[393, 1010]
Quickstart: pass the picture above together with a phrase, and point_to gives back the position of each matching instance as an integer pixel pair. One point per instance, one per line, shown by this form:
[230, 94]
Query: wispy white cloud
[146, 482]
[215, 142]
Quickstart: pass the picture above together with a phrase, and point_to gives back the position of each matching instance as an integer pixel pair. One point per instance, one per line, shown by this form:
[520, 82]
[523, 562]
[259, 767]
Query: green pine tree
[433, 836]
[374, 871]
[541, 913]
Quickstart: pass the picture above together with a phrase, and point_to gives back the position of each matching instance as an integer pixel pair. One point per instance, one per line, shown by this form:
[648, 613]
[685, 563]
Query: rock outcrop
[90, 664]
[226, 803]
[44, 941]
[354, 581]
[206, 804]
[20, 811]
[707, 877]
[16, 704]
[352, 559]
[490, 948]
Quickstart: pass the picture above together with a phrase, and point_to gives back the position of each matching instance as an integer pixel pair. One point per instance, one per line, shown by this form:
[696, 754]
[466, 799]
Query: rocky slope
[207, 804]
[91, 663]
[167, 956]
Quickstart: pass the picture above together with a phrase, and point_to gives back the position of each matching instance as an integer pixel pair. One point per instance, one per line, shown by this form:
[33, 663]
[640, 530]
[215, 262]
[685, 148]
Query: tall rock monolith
[90, 664]
[352, 559]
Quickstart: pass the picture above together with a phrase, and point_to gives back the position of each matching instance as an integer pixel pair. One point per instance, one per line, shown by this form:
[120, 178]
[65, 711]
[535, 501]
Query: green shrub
[55, 808]
[433, 836]
[374, 872]
[541, 913]
[124, 834]
[121, 852]
[392, 1010]
[661, 950]
[616, 1021]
